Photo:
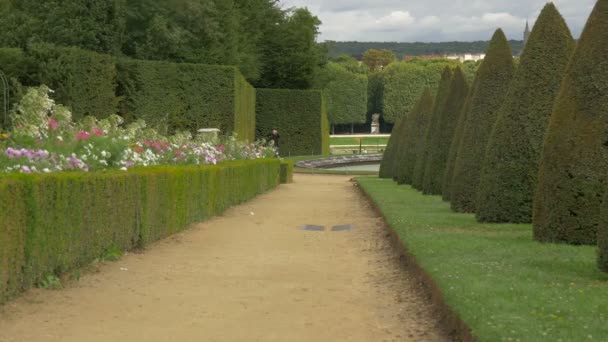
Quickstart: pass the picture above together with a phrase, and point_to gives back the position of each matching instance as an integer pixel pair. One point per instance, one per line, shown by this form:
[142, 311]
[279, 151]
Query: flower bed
[44, 139]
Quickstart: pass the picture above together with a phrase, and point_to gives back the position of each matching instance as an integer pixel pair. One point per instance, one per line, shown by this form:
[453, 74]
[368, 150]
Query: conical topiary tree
[442, 135]
[491, 86]
[448, 174]
[575, 155]
[510, 170]
[390, 153]
[411, 142]
[440, 98]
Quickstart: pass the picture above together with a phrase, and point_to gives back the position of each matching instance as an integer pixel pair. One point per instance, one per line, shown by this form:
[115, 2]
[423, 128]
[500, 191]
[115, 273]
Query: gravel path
[249, 275]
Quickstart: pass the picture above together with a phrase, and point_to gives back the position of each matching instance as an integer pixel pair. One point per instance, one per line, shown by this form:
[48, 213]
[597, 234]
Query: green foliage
[82, 80]
[411, 138]
[14, 66]
[298, 115]
[346, 94]
[375, 93]
[51, 224]
[287, 171]
[270, 45]
[50, 282]
[441, 136]
[405, 81]
[170, 97]
[574, 162]
[416, 49]
[387, 167]
[510, 170]
[487, 96]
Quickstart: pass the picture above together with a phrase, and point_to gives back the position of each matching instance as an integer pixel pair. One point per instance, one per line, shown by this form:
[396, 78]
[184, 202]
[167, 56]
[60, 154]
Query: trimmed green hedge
[423, 179]
[573, 167]
[287, 171]
[298, 115]
[347, 99]
[50, 224]
[189, 97]
[442, 137]
[82, 80]
[411, 141]
[387, 166]
[490, 90]
[510, 170]
[404, 82]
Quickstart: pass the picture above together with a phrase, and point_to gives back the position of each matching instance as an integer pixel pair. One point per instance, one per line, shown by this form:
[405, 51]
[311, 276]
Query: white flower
[46, 170]
[123, 169]
[60, 138]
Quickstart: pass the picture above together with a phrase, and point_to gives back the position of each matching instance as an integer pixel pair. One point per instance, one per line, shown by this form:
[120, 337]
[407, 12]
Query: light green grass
[372, 141]
[503, 284]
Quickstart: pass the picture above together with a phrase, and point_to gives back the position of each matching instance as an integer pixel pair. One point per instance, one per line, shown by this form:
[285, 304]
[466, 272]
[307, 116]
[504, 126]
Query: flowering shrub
[45, 139]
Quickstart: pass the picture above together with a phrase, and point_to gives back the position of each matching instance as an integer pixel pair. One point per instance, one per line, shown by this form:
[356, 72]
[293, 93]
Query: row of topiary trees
[522, 144]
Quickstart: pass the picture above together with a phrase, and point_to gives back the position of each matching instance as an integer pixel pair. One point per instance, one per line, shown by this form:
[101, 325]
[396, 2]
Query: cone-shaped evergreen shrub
[510, 170]
[448, 174]
[390, 153]
[440, 98]
[411, 141]
[574, 161]
[491, 86]
[442, 135]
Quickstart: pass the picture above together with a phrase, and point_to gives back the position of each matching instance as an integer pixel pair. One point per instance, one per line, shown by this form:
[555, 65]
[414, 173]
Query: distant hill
[416, 49]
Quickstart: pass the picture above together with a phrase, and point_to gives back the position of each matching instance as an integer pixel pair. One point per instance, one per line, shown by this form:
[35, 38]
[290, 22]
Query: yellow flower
[4, 136]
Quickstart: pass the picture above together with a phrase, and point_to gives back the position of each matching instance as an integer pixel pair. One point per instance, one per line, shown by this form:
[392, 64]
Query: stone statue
[375, 123]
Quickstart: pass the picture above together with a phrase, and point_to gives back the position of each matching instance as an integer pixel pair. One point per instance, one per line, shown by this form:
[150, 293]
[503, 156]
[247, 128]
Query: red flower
[53, 124]
[97, 132]
[82, 135]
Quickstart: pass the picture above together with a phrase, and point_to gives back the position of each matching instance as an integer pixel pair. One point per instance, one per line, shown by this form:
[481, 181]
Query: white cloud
[433, 20]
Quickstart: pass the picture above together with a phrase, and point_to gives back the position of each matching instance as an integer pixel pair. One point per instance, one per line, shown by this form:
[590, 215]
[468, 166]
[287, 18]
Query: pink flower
[97, 132]
[221, 148]
[53, 124]
[82, 135]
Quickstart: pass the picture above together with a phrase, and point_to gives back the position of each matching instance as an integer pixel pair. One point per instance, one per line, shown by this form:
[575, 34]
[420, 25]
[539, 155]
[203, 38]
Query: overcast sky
[434, 20]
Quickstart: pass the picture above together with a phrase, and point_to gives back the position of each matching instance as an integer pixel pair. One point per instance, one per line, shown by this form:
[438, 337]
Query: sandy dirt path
[249, 275]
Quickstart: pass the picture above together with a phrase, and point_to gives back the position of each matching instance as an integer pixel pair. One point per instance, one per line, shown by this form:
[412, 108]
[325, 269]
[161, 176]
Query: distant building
[425, 57]
[526, 33]
[467, 57]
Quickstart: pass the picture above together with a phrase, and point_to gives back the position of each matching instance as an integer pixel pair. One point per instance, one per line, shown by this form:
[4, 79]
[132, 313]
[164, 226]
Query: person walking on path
[275, 138]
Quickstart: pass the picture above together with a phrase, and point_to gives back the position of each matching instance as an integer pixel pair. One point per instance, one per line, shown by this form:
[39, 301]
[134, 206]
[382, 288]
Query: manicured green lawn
[504, 285]
[373, 141]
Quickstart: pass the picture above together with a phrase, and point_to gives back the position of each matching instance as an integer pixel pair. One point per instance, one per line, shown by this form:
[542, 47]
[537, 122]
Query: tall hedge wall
[491, 86]
[82, 80]
[172, 96]
[410, 143]
[510, 170]
[54, 223]
[405, 81]
[443, 135]
[13, 64]
[298, 115]
[428, 183]
[347, 99]
[574, 161]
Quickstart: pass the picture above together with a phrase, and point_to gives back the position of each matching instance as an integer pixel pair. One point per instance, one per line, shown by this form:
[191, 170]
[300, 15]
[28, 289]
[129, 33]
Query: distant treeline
[357, 49]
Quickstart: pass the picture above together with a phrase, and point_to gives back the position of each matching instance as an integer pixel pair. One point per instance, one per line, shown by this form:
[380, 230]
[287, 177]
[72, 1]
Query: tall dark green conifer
[575, 155]
[442, 135]
[491, 86]
[410, 145]
[510, 170]
[438, 104]
[390, 153]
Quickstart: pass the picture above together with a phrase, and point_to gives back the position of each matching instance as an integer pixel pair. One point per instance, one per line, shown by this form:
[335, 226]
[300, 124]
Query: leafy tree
[416, 49]
[426, 147]
[441, 137]
[410, 143]
[345, 92]
[510, 170]
[491, 86]
[376, 60]
[574, 160]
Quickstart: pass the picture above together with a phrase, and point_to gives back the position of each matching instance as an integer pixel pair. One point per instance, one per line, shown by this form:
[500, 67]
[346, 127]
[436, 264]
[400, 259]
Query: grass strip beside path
[372, 141]
[503, 284]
